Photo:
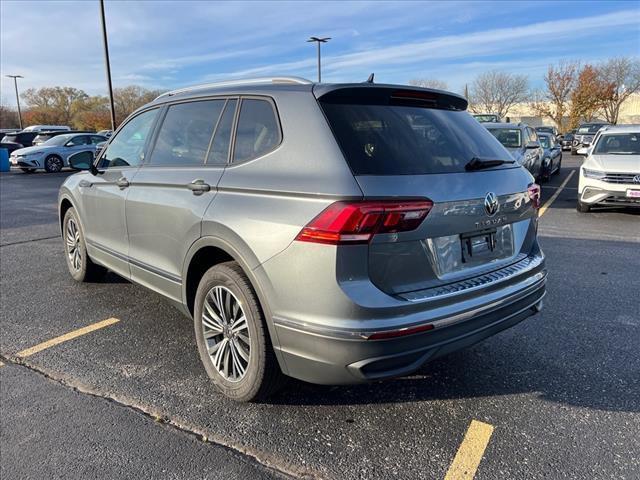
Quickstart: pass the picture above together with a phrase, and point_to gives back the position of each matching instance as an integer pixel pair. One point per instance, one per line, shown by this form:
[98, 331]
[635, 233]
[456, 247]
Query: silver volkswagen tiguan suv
[335, 233]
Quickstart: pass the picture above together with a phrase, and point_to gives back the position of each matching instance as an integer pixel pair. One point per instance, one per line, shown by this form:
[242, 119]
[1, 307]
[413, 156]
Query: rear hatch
[417, 145]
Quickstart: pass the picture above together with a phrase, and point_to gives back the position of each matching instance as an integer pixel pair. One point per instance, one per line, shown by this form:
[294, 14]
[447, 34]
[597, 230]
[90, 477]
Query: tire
[583, 207]
[224, 351]
[53, 164]
[80, 266]
[574, 152]
[27, 170]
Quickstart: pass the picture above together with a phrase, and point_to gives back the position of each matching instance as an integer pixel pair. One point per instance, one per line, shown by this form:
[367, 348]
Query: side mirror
[532, 145]
[81, 160]
[582, 151]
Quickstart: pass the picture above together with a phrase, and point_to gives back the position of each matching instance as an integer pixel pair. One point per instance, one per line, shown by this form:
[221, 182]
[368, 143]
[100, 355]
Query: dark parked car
[552, 159]
[544, 129]
[522, 142]
[24, 139]
[44, 136]
[584, 135]
[10, 146]
[567, 140]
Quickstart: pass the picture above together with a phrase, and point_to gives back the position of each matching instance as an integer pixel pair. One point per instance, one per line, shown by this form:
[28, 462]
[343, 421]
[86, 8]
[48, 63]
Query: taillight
[347, 223]
[534, 195]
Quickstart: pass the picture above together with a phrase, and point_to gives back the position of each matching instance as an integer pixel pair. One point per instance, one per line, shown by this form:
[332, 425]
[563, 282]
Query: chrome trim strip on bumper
[475, 283]
[536, 282]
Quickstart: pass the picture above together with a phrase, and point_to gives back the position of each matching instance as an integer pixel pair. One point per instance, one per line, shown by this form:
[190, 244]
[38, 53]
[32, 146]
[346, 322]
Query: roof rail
[244, 81]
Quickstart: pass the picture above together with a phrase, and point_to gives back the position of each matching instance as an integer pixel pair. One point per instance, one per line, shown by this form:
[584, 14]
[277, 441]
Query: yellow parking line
[555, 195]
[470, 453]
[67, 336]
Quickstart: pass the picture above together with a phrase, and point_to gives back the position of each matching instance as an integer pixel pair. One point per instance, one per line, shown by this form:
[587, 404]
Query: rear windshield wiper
[477, 163]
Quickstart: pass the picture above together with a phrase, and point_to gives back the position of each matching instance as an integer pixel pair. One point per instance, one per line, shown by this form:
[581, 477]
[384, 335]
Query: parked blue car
[53, 154]
[552, 158]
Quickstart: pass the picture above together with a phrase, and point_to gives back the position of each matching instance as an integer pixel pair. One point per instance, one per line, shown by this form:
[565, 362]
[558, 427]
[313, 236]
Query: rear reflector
[534, 195]
[400, 333]
[348, 223]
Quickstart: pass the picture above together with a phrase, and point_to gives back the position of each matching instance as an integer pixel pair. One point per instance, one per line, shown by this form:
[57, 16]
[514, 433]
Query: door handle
[198, 187]
[122, 183]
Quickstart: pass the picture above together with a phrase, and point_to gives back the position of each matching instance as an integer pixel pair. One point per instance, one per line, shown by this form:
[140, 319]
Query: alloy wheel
[73, 245]
[226, 333]
[54, 164]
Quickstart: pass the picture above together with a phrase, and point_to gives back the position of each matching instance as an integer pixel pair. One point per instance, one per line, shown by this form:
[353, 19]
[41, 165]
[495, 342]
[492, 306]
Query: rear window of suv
[383, 139]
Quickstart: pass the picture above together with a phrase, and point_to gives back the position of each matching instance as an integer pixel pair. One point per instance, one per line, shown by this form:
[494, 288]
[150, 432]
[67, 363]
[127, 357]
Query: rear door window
[185, 133]
[258, 130]
[78, 140]
[219, 152]
[387, 139]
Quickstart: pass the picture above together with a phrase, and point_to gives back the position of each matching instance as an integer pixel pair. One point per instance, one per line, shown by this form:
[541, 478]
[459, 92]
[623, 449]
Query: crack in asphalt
[256, 457]
[19, 242]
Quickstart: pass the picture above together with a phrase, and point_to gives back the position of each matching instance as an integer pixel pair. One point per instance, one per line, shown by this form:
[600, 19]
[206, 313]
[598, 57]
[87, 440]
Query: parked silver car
[52, 155]
[336, 233]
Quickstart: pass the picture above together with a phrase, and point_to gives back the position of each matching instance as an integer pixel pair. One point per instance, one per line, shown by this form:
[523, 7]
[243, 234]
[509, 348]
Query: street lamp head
[14, 76]
[319, 39]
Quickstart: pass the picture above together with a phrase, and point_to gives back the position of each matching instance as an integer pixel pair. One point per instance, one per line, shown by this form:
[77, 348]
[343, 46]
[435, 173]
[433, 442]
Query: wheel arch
[209, 251]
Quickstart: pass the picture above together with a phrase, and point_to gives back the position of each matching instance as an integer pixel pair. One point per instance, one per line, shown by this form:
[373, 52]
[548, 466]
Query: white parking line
[544, 208]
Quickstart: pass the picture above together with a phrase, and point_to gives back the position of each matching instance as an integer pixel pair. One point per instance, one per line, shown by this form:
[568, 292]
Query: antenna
[370, 79]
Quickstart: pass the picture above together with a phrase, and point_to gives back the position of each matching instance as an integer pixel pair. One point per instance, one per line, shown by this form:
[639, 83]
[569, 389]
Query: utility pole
[319, 40]
[108, 66]
[15, 84]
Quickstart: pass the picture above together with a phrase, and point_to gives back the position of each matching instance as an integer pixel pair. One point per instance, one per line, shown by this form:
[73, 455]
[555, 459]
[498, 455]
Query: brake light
[534, 195]
[348, 223]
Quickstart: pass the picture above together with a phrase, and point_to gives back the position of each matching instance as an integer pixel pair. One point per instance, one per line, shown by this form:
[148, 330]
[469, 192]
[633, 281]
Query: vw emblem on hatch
[636, 179]
[491, 205]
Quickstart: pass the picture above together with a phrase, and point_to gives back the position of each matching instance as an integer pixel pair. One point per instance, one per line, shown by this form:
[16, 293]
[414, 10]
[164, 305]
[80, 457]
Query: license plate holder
[633, 193]
[478, 245]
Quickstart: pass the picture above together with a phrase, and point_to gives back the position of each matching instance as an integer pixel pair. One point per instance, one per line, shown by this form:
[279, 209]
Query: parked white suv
[47, 128]
[610, 175]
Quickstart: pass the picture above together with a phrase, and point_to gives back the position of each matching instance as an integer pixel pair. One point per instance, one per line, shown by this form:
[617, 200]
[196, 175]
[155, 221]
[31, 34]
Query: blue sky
[170, 44]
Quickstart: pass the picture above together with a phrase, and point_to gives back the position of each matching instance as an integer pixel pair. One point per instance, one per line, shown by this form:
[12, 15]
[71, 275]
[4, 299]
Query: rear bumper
[344, 357]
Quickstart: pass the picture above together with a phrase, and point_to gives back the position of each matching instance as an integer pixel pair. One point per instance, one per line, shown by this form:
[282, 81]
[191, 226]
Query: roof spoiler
[367, 93]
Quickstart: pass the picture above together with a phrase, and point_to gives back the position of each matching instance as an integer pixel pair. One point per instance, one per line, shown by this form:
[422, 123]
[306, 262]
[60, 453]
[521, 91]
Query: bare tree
[497, 92]
[56, 104]
[429, 83]
[554, 101]
[128, 99]
[622, 75]
[8, 118]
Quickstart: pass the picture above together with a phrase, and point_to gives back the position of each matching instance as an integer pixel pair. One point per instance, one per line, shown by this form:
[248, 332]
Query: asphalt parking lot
[557, 396]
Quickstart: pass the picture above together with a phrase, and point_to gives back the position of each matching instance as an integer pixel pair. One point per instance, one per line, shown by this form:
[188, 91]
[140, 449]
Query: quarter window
[257, 131]
[186, 132]
[126, 148]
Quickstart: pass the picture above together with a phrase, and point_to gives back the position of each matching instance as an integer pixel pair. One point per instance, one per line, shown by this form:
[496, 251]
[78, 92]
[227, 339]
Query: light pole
[108, 66]
[15, 84]
[319, 40]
